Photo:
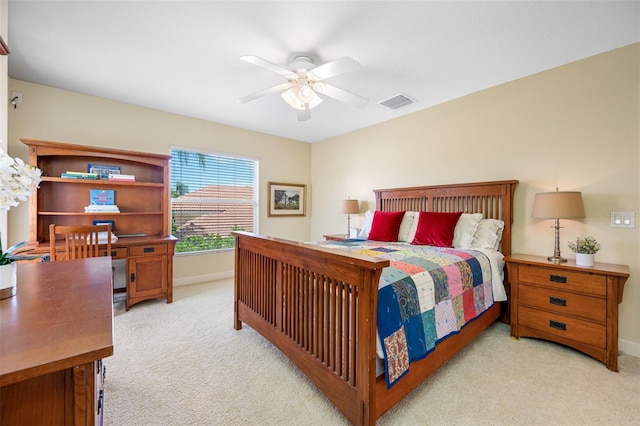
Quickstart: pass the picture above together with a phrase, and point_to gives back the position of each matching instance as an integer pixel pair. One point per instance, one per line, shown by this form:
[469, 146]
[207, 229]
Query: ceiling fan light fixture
[299, 96]
[306, 93]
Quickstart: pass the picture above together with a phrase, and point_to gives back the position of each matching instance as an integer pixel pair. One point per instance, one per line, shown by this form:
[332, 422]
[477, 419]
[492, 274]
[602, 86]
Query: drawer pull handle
[557, 279]
[557, 301]
[114, 253]
[149, 249]
[558, 325]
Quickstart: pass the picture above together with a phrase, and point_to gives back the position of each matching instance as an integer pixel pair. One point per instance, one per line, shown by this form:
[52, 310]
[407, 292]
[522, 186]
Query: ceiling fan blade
[333, 68]
[340, 94]
[256, 95]
[269, 65]
[304, 114]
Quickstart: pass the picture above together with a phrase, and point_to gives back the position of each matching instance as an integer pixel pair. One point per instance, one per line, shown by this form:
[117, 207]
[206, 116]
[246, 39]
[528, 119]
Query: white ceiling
[183, 56]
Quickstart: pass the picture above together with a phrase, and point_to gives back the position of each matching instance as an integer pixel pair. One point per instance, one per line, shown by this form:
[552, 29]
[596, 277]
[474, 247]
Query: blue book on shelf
[104, 197]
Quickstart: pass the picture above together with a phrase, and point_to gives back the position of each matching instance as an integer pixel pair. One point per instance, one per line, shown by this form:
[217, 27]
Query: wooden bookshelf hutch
[142, 226]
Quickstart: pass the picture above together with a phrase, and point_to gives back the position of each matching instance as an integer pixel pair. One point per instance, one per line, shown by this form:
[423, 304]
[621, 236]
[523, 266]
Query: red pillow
[385, 226]
[436, 229]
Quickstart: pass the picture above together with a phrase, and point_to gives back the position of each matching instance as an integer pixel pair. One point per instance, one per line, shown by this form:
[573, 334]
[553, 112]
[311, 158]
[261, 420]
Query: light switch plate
[623, 220]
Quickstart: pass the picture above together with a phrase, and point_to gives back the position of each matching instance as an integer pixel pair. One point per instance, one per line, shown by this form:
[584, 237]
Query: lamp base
[556, 259]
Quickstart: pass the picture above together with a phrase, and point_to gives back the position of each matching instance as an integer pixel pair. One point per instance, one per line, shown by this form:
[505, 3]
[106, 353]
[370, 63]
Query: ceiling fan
[305, 80]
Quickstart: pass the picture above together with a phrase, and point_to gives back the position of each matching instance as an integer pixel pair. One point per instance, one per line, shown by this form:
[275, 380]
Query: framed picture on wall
[286, 199]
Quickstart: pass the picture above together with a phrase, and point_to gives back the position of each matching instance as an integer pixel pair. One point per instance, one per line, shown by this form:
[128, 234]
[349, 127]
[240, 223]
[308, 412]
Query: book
[103, 170]
[123, 178]
[102, 196]
[79, 175]
[101, 208]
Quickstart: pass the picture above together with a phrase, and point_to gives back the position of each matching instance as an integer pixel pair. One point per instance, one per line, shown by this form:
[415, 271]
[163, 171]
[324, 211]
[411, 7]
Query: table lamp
[558, 205]
[349, 207]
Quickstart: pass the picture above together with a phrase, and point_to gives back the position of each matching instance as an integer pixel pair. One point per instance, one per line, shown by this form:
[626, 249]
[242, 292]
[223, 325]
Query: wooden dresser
[573, 305]
[55, 332]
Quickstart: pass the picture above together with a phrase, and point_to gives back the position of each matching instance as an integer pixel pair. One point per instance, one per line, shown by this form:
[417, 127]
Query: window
[211, 195]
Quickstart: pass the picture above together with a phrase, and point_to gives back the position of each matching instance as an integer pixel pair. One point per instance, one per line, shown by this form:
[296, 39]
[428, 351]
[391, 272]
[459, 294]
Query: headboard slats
[493, 199]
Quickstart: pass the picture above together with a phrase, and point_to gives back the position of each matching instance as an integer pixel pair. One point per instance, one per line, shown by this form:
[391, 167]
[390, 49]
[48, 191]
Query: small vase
[583, 259]
[7, 280]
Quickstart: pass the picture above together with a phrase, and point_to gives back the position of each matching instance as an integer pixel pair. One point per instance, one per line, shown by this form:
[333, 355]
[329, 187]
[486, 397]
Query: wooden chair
[79, 241]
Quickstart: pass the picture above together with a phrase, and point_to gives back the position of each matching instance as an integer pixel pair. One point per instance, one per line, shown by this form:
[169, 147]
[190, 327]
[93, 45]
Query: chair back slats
[79, 241]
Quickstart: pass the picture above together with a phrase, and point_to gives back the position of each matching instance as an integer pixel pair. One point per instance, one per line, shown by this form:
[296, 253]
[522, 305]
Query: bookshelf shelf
[101, 182]
[100, 213]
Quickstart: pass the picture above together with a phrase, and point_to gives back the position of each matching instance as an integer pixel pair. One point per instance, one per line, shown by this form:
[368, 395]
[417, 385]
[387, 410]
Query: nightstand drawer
[562, 279]
[591, 308]
[559, 325]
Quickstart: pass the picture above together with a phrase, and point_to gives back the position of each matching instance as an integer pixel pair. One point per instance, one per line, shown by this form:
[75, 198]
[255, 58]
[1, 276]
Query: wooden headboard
[493, 199]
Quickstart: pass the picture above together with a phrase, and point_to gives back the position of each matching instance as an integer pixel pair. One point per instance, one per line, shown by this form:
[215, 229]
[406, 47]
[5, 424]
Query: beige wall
[58, 115]
[575, 127]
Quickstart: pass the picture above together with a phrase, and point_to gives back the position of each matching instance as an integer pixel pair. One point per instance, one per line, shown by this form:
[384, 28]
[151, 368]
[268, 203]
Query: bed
[318, 304]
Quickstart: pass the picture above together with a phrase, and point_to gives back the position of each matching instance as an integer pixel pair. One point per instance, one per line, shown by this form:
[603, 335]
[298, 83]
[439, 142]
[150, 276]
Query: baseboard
[203, 278]
[628, 347]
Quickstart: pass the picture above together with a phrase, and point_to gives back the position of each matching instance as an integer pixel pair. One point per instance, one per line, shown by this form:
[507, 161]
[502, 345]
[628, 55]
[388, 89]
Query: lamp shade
[558, 205]
[350, 207]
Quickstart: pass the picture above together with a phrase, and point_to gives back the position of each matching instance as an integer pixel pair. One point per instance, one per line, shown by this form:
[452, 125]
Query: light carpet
[184, 364]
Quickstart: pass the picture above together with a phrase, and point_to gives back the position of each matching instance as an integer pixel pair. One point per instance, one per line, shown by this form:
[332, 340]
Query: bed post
[237, 324]
[366, 373]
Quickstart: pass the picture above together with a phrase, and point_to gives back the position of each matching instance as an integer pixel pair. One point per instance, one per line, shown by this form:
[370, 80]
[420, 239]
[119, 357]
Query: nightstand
[576, 306]
[336, 237]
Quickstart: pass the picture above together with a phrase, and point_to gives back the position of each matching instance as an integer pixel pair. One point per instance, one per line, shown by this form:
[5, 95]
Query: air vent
[397, 101]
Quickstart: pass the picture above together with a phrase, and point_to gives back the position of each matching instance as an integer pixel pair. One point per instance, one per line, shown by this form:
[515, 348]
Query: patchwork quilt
[427, 294]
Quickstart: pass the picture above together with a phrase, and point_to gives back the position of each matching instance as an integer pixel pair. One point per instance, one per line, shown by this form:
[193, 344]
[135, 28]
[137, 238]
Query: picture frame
[286, 199]
[103, 222]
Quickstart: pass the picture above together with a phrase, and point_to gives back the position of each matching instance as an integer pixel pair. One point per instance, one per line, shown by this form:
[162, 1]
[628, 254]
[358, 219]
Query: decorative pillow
[488, 235]
[407, 225]
[414, 228]
[465, 229]
[368, 219]
[436, 229]
[385, 226]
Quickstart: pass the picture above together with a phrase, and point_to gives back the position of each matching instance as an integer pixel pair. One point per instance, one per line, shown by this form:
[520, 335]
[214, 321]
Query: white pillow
[405, 234]
[465, 230]
[368, 220]
[488, 234]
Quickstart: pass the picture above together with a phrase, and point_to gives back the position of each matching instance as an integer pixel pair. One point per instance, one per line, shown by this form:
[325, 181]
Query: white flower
[16, 180]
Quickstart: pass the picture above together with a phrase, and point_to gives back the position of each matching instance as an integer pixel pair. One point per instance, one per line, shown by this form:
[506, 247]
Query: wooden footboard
[317, 306]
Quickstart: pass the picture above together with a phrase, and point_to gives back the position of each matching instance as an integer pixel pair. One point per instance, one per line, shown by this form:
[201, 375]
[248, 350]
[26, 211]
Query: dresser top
[602, 268]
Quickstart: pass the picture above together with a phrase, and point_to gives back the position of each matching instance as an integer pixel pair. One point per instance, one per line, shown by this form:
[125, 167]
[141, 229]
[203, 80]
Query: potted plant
[16, 181]
[584, 248]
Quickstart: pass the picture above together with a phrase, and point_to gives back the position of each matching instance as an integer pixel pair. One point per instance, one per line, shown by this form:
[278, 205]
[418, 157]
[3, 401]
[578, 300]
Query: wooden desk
[54, 333]
[149, 266]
